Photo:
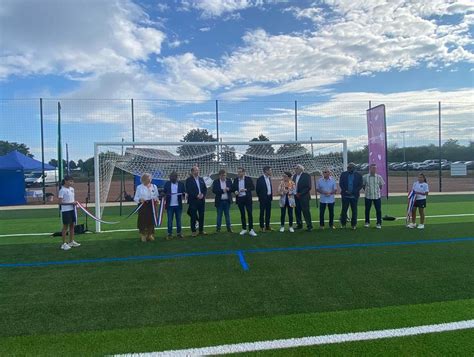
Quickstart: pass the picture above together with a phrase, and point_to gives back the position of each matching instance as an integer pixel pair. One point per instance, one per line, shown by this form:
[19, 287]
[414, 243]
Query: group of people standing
[293, 192]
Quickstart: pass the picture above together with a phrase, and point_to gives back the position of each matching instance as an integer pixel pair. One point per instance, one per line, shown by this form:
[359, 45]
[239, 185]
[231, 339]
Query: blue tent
[12, 177]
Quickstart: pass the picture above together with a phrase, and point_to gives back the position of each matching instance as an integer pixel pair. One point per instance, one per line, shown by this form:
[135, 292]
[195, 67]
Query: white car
[35, 178]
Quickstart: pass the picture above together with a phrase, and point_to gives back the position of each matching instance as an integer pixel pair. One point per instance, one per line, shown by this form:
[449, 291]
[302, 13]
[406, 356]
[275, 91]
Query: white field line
[310, 341]
[213, 225]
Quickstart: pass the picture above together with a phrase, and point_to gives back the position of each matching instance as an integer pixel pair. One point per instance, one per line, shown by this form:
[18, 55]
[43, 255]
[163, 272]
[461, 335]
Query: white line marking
[213, 225]
[310, 341]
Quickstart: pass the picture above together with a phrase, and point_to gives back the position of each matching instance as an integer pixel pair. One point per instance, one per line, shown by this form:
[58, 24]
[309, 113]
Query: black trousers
[346, 202]
[265, 212]
[302, 209]
[322, 210]
[245, 205]
[378, 210]
[283, 214]
[196, 211]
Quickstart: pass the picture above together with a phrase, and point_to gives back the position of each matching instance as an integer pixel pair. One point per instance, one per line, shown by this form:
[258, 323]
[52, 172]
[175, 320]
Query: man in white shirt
[327, 188]
[222, 188]
[243, 187]
[265, 196]
[196, 190]
[372, 183]
[174, 191]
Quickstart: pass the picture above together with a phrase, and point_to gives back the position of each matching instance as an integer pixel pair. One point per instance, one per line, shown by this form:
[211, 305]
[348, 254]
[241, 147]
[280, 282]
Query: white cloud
[364, 37]
[216, 8]
[66, 37]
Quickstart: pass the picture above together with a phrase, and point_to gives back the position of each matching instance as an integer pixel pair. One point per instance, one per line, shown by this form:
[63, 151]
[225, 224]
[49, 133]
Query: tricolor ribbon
[87, 212]
[162, 210]
[411, 202]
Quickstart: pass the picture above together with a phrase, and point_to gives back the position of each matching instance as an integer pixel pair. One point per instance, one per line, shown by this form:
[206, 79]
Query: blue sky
[262, 54]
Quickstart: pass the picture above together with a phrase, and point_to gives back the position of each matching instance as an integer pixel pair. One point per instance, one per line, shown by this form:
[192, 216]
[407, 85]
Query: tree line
[451, 150]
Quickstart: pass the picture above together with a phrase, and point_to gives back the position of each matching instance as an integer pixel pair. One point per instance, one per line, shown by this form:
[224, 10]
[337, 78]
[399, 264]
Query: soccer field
[116, 295]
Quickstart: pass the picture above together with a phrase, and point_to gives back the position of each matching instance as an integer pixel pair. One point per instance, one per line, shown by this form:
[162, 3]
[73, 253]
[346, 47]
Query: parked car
[470, 164]
[35, 178]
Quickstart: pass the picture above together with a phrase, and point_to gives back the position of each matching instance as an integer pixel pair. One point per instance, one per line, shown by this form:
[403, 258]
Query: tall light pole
[405, 159]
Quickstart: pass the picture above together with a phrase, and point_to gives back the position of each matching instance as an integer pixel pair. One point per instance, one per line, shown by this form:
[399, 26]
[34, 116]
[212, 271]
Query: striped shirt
[372, 186]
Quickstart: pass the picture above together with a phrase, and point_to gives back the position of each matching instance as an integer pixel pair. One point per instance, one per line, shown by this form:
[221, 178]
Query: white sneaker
[282, 229]
[421, 226]
[65, 246]
[292, 230]
[243, 232]
[367, 225]
[411, 225]
[252, 233]
[74, 244]
[378, 226]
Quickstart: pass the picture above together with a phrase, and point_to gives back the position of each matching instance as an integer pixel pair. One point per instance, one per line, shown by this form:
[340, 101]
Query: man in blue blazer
[174, 192]
[350, 183]
[222, 188]
[196, 190]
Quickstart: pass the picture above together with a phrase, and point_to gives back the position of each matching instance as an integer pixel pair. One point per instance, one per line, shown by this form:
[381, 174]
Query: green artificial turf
[113, 307]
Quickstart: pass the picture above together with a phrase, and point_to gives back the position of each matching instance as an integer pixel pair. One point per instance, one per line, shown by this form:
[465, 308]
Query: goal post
[159, 159]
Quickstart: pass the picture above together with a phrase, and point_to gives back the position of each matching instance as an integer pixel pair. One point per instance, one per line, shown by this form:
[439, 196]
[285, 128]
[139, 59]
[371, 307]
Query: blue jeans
[176, 211]
[223, 207]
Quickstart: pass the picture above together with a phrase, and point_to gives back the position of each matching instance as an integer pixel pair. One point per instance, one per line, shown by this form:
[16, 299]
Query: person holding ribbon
[287, 191]
[173, 192]
[68, 203]
[146, 195]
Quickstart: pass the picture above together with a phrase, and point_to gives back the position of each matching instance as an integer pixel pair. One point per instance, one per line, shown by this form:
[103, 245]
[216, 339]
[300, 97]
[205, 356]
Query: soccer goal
[159, 159]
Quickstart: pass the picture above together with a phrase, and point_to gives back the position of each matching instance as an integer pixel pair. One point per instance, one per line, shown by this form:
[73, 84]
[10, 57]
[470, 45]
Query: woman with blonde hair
[287, 191]
[147, 194]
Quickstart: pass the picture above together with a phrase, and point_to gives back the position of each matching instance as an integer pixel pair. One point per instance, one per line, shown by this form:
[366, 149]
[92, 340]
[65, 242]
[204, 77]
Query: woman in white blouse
[147, 193]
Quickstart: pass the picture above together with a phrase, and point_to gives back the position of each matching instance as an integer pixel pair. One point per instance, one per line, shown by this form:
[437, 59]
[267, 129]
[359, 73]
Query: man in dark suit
[196, 190]
[302, 198]
[265, 197]
[174, 192]
[350, 183]
[222, 188]
[243, 187]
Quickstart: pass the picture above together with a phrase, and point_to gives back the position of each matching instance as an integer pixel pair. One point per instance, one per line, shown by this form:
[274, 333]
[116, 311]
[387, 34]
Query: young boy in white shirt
[67, 202]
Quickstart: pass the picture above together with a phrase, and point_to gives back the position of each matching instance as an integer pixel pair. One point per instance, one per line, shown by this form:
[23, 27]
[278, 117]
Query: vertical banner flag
[377, 129]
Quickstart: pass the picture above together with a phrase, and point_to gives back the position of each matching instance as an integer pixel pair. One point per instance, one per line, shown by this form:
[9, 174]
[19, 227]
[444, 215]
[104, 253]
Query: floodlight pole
[42, 151]
[404, 158]
[296, 120]
[97, 186]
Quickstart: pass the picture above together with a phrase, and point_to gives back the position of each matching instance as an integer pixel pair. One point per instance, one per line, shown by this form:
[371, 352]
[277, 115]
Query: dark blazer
[304, 184]
[248, 185]
[356, 185]
[192, 189]
[262, 189]
[167, 192]
[218, 191]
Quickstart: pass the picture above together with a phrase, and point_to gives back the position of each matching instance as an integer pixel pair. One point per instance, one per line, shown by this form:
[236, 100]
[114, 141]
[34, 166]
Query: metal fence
[34, 122]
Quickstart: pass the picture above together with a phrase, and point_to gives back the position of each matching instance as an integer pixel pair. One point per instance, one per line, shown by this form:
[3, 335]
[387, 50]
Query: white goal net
[161, 159]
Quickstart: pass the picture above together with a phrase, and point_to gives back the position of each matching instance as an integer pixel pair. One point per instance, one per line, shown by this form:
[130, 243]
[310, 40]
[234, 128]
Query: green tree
[195, 136]
[6, 147]
[260, 150]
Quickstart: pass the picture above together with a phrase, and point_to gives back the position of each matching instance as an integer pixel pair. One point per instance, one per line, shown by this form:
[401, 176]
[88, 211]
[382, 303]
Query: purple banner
[378, 143]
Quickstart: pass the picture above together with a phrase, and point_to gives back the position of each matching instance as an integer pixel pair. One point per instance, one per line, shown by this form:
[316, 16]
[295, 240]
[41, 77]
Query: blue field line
[232, 252]
[242, 261]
